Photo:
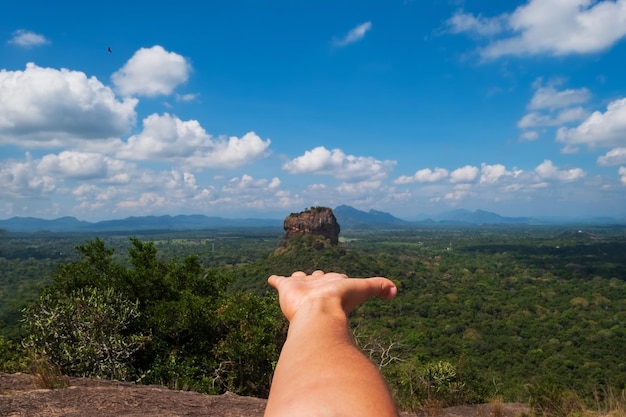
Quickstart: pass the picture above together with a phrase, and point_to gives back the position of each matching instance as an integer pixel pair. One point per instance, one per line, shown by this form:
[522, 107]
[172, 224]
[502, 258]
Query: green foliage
[305, 253]
[166, 322]
[48, 375]
[84, 333]
[12, 356]
[415, 385]
[254, 331]
[507, 306]
[548, 399]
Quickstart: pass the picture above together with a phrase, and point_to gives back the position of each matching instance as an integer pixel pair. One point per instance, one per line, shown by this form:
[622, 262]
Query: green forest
[526, 314]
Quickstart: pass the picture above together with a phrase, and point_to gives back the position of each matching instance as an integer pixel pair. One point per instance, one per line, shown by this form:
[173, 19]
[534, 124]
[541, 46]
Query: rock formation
[316, 221]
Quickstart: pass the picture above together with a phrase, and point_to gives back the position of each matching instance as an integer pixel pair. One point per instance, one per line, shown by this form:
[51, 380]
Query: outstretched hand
[327, 290]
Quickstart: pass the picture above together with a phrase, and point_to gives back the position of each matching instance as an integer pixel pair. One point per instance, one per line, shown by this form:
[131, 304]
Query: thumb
[382, 287]
[274, 280]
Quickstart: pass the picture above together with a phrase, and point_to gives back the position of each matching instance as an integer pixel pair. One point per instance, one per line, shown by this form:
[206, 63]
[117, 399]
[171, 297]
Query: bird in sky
[109, 49]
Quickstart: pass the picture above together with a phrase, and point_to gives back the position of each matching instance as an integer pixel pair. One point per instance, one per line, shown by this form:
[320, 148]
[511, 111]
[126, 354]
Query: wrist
[319, 309]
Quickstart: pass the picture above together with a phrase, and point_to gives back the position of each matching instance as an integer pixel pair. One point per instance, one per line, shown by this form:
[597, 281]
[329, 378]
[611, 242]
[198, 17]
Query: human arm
[321, 371]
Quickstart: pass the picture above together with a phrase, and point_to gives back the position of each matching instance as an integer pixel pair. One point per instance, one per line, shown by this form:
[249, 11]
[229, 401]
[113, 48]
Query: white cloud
[79, 165]
[616, 156]
[551, 98]
[458, 195]
[492, 173]
[275, 183]
[552, 107]
[536, 119]
[361, 188]
[355, 35]
[145, 200]
[467, 173]
[247, 183]
[186, 97]
[148, 191]
[554, 27]
[45, 107]
[424, 175]
[166, 137]
[18, 179]
[530, 135]
[548, 171]
[151, 72]
[27, 38]
[599, 129]
[321, 161]
[622, 173]
[462, 22]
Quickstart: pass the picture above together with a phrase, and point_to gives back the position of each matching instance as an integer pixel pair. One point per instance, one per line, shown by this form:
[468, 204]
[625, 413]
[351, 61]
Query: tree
[85, 332]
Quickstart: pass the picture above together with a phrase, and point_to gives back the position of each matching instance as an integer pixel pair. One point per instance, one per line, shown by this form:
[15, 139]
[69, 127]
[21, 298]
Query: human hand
[328, 291]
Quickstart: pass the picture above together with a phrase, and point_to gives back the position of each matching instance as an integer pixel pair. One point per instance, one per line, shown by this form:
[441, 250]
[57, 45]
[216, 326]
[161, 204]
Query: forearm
[321, 372]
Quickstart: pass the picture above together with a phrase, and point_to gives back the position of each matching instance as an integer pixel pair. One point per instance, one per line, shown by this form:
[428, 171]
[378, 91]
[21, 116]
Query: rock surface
[316, 221]
[20, 396]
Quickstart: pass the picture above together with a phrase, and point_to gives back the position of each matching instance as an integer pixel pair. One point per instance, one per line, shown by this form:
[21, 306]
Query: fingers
[378, 287]
[386, 288]
[366, 287]
[273, 280]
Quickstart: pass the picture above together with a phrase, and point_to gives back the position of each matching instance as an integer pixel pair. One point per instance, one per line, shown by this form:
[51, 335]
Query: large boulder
[316, 221]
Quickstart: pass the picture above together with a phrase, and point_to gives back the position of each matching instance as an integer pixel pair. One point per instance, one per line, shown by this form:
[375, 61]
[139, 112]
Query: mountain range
[348, 218]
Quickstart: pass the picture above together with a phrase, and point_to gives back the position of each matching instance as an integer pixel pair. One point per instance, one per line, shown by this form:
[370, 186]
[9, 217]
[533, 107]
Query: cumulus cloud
[151, 72]
[553, 27]
[458, 195]
[550, 106]
[616, 156]
[622, 173]
[599, 129]
[550, 98]
[26, 38]
[462, 22]
[147, 192]
[424, 175]
[467, 173]
[37, 178]
[490, 174]
[44, 107]
[18, 179]
[535, 119]
[166, 137]
[247, 183]
[548, 171]
[356, 189]
[354, 35]
[321, 161]
[79, 165]
[529, 135]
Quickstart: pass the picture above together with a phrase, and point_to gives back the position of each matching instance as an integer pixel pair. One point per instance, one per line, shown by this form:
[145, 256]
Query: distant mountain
[349, 217]
[480, 217]
[145, 223]
[32, 224]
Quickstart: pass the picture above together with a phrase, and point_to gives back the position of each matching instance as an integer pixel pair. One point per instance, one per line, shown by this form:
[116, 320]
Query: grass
[47, 374]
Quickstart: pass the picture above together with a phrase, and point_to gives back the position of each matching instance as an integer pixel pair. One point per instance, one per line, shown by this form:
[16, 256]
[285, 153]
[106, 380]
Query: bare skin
[321, 372]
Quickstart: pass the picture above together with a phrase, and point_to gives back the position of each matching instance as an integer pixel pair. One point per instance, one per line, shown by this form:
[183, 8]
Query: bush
[12, 357]
[84, 333]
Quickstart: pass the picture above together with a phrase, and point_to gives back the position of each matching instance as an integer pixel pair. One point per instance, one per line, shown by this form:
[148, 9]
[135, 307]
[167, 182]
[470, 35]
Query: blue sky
[260, 108]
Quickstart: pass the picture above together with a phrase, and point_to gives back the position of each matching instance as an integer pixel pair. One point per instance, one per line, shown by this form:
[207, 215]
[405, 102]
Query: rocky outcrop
[316, 221]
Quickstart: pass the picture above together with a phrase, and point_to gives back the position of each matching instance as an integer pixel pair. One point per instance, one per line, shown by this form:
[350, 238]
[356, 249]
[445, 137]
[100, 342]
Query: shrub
[84, 333]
